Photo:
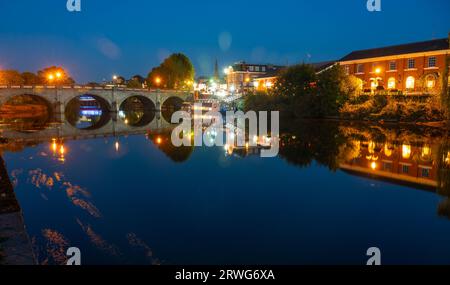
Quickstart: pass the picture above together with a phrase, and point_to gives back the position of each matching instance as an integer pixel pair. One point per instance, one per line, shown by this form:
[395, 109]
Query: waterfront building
[241, 76]
[265, 82]
[414, 68]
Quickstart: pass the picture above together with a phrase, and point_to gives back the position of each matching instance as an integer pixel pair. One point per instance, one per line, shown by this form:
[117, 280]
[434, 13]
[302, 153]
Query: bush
[403, 109]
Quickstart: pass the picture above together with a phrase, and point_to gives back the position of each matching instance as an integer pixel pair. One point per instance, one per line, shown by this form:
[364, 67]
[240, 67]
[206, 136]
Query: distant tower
[216, 71]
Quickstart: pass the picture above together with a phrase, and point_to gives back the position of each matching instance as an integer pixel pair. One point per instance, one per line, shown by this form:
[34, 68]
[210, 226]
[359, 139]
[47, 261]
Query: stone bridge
[110, 97]
[57, 98]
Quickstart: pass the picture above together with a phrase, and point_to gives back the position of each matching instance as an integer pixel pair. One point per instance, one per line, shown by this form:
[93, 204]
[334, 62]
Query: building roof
[320, 66]
[270, 73]
[433, 45]
[244, 67]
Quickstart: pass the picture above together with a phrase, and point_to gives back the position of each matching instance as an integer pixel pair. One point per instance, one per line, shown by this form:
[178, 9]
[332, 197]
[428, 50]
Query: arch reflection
[88, 112]
[26, 113]
[137, 111]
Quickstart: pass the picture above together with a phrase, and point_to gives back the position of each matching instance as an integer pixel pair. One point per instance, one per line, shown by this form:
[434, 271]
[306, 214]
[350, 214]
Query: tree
[54, 74]
[30, 78]
[136, 82]
[445, 92]
[296, 86]
[176, 72]
[295, 81]
[10, 77]
[334, 88]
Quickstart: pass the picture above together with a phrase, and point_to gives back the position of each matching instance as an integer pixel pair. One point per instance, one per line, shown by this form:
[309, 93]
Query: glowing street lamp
[378, 70]
[58, 75]
[158, 81]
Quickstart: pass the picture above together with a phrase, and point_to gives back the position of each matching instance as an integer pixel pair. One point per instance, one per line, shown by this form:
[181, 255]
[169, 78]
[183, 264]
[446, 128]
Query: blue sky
[130, 37]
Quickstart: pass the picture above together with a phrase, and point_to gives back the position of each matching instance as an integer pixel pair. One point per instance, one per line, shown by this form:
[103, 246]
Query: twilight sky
[130, 37]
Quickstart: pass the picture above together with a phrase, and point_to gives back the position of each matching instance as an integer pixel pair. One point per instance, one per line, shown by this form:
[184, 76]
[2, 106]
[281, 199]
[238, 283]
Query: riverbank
[15, 245]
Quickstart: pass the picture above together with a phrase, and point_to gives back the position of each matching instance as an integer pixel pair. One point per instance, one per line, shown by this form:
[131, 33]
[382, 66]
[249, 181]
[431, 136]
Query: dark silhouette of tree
[176, 72]
[30, 78]
[10, 77]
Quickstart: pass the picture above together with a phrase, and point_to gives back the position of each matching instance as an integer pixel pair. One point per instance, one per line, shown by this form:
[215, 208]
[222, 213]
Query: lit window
[391, 83]
[406, 151]
[257, 68]
[392, 65]
[251, 68]
[347, 69]
[410, 81]
[360, 68]
[360, 84]
[411, 63]
[432, 61]
[373, 84]
[426, 153]
[387, 150]
[263, 69]
[431, 82]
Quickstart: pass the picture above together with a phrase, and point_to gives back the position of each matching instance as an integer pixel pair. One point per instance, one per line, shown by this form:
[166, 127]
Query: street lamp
[158, 81]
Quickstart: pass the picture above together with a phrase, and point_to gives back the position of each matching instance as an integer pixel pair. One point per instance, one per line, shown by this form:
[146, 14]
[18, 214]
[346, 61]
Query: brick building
[415, 68]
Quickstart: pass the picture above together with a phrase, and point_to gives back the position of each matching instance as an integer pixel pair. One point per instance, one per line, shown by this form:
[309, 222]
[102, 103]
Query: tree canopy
[54, 74]
[176, 72]
[10, 77]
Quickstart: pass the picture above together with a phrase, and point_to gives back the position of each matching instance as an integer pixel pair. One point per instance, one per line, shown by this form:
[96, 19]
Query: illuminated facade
[403, 163]
[415, 68]
[241, 76]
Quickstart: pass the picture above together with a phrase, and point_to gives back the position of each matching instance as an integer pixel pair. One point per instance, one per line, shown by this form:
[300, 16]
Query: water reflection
[87, 112]
[137, 111]
[143, 207]
[26, 113]
[417, 157]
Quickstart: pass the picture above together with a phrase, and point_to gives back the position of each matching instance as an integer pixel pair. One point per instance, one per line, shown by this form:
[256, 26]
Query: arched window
[430, 81]
[360, 84]
[391, 83]
[410, 82]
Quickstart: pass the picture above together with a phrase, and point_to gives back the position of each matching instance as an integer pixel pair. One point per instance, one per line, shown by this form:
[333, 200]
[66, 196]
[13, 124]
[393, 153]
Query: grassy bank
[394, 109]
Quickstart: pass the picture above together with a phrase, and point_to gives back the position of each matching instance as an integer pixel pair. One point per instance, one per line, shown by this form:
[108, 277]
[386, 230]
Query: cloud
[225, 41]
[108, 48]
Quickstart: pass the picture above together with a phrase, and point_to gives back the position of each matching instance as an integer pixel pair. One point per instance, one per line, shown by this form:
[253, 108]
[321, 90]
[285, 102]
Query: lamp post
[158, 81]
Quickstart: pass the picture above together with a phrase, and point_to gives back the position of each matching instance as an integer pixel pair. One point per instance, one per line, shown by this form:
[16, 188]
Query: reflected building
[400, 163]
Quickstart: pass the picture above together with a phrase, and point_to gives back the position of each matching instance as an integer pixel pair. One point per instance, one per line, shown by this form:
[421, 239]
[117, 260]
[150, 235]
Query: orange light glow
[51, 77]
[158, 80]
[159, 140]
[58, 75]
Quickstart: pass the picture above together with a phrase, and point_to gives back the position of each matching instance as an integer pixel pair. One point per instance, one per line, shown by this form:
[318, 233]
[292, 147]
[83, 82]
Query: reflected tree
[163, 141]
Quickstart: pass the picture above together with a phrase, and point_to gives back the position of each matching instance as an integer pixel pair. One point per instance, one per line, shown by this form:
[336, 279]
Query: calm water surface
[333, 192]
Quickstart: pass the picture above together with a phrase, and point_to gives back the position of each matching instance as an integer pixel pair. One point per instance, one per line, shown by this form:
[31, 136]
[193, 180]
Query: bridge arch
[169, 105]
[26, 112]
[87, 111]
[137, 110]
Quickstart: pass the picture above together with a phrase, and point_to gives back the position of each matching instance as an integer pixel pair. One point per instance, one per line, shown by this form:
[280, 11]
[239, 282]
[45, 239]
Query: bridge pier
[59, 112]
